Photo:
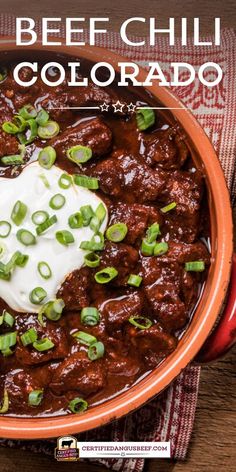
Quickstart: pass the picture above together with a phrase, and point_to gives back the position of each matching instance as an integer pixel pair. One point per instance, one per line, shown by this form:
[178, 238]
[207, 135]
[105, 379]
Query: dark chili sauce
[139, 173]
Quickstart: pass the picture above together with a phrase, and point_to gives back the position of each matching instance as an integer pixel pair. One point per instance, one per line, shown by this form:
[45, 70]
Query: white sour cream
[29, 188]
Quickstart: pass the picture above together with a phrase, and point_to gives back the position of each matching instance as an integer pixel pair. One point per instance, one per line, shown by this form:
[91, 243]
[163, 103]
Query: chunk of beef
[27, 355]
[124, 176]
[156, 270]
[185, 189]
[182, 229]
[121, 256]
[181, 252]
[166, 306]
[78, 373]
[21, 382]
[118, 311]
[8, 144]
[165, 149]
[136, 217]
[92, 133]
[75, 289]
[154, 343]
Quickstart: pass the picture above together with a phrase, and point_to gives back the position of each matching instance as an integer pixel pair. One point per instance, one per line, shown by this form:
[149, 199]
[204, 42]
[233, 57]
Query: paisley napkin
[170, 416]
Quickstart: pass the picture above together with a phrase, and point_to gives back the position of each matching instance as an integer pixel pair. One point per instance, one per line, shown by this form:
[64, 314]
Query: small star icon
[118, 106]
[131, 107]
[104, 107]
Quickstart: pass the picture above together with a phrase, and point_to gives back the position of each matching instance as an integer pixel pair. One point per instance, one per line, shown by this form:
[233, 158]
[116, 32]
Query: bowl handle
[224, 335]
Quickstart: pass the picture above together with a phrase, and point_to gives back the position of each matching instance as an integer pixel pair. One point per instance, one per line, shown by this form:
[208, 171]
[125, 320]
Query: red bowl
[216, 285]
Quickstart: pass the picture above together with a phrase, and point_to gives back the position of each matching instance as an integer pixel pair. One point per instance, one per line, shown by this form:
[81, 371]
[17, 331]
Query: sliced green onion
[39, 217]
[92, 260]
[18, 213]
[87, 214]
[29, 337]
[30, 133]
[27, 112]
[101, 212]
[145, 118]
[75, 220]
[25, 237]
[160, 249]
[3, 274]
[5, 403]
[46, 225]
[57, 201]
[42, 117]
[65, 237]
[41, 319]
[79, 154]
[43, 344]
[147, 248]
[49, 130]
[91, 183]
[22, 259]
[117, 232]
[44, 180]
[7, 340]
[20, 122]
[47, 157]
[152, 232]
[65, 181]
[84, 338]
[96, 351]
[140, 322]
[44, 270]
[53, 309]
[12, 262]
[37, 295]
[3, 74]
[90, 316]
[35, 397]
[5, 229]
[106, 275]
[195, 266]
[169, 207]
[134, 280]
[78, 405]
[15, 160]
[93, 245]
[10, 127]
[7, 318]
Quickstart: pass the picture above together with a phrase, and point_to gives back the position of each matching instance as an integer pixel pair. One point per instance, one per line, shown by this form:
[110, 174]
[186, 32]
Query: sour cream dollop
[30, 189]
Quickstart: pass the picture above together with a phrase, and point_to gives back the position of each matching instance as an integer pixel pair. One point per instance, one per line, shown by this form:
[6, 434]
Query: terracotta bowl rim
[161, 377]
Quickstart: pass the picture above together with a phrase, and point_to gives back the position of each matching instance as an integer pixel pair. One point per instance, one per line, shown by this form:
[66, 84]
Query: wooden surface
[213, 440]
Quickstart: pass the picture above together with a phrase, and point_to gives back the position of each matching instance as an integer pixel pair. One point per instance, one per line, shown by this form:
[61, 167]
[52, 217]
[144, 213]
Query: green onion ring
[39, 217]
[116, 232]
[90, 316]
[57, 201]
[96, 351]
[49, 130]
[5, 229]
[106, 275]
[25, 237]
[145, 118]
[47, 157]
[18, 213]
[44, 344]
[35, 397]
[46, 225]
[37, 295]
[29, 337]
[91, 183]
[44, 270]
[84, 338]
[79, 154]
[78, 405]
[65, 237]
[92, 260]
[144, 323]
[65, 181]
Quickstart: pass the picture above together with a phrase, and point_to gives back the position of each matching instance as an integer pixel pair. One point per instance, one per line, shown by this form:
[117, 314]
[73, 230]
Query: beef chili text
[123, 311]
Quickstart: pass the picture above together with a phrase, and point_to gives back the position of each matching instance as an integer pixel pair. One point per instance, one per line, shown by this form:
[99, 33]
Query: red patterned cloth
[170, 416]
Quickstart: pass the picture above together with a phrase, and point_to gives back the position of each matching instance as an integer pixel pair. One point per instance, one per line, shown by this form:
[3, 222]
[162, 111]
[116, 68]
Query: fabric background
[170, 416]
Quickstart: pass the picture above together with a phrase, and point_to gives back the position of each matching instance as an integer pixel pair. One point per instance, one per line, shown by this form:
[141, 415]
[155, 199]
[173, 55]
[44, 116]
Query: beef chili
[121, 312]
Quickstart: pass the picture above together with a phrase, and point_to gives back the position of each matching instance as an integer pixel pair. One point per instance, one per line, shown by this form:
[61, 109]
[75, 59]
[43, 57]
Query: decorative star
[118, 106]
[131, 107]
[104, 107]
